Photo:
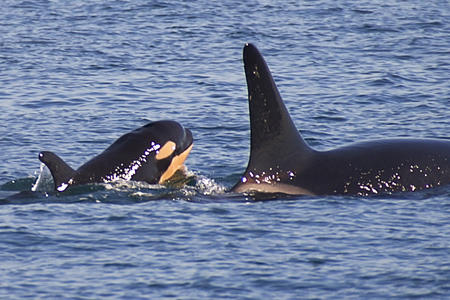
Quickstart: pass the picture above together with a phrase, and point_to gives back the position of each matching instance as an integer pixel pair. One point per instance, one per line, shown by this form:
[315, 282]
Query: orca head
[276, 146]
[173, 143]
[151, 153]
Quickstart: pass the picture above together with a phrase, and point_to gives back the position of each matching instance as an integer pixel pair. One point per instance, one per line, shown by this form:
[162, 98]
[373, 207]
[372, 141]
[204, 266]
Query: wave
[184, 185]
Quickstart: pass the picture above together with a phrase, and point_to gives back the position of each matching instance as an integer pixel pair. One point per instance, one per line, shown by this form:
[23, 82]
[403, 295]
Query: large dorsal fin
[273, 134]
[61, 172]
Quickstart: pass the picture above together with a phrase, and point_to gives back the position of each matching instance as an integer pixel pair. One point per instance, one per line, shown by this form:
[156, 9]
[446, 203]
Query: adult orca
[282, 162]
[152, 153]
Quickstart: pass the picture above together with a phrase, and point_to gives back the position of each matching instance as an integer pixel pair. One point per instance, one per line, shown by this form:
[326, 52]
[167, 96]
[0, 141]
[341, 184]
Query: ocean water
[76, 75]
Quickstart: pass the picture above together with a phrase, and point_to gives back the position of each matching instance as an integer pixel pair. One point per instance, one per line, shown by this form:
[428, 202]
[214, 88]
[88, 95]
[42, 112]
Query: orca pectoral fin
[61, 172]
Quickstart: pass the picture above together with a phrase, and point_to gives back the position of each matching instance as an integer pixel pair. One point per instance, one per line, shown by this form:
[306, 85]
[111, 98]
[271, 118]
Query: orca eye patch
[166, 150]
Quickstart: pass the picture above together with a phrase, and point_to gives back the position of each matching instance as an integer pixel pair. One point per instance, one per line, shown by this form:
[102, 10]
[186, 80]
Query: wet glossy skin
[151, 153]
[281, 161]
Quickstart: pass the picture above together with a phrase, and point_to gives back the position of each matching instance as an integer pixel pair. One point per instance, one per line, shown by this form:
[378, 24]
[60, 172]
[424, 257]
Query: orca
[152, 153]
[282, 162]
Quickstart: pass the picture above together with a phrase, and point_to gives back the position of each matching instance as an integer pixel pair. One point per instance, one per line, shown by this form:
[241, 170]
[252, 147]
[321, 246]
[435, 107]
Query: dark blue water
[76, 75]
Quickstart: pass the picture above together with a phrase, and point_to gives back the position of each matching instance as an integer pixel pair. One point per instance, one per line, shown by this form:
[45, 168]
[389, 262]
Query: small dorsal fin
[273, 134]
[61, 172]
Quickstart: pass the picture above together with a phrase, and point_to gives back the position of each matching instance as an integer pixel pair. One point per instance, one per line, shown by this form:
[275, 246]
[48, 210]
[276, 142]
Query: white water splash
[127, 185]
[203, 186]
[207, 186]
[44, 181]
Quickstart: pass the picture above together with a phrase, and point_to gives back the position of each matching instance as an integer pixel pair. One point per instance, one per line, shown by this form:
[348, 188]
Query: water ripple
[78, 74]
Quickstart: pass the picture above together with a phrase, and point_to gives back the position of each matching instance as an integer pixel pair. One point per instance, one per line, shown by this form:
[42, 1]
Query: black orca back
[281, 161]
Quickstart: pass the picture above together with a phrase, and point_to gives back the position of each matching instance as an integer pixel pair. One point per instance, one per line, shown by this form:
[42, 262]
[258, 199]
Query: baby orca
[152, 153]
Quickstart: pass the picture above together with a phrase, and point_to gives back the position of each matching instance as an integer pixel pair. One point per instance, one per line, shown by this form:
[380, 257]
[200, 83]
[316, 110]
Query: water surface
[76, 75]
